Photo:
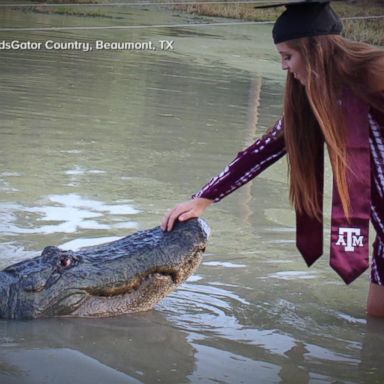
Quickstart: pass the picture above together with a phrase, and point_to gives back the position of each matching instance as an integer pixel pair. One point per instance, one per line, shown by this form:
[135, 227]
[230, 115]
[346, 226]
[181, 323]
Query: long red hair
[312, 113]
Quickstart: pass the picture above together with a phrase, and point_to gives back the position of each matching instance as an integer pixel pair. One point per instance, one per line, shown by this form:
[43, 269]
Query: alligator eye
[65, 262]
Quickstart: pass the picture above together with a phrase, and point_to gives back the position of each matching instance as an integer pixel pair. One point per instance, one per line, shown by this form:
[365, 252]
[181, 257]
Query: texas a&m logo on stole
[349, 238]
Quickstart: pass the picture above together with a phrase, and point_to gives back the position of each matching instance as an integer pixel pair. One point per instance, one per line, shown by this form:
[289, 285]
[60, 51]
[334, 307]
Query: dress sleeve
[246, 165]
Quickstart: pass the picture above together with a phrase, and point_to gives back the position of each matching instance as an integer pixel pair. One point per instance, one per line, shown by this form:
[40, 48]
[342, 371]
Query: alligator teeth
[162, 275]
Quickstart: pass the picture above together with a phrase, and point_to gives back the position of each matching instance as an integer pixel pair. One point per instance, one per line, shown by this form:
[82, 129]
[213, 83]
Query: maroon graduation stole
[349, 238]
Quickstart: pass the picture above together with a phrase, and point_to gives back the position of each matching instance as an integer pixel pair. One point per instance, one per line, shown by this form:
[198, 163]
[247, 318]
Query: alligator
[128, 275]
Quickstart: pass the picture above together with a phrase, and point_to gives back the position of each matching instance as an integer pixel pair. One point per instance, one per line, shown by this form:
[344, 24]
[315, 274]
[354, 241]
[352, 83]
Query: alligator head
[127, 275]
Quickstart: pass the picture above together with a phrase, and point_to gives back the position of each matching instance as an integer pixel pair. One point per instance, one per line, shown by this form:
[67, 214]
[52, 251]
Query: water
[96, 145]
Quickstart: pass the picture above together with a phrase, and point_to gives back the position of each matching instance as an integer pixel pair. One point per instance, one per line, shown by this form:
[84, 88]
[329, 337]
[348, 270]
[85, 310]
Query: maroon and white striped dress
[270, 148]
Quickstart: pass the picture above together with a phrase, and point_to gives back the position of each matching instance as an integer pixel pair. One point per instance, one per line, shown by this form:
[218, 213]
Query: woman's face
[292, 61]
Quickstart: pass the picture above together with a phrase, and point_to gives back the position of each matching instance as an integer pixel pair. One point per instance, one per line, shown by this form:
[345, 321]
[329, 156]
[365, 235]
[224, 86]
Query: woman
[334, 95]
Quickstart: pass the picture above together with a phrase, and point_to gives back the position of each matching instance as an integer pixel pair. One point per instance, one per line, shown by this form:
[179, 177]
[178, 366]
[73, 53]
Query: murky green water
[96, 145]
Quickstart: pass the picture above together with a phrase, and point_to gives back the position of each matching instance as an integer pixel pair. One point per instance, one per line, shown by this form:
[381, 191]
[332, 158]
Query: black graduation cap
[304, 19]
[288, 3]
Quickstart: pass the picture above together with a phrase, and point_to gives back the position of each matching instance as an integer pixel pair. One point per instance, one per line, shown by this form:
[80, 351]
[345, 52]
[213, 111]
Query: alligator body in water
[127, 275]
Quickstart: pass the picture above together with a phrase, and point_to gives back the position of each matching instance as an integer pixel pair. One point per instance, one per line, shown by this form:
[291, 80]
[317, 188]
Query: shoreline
[365, 30]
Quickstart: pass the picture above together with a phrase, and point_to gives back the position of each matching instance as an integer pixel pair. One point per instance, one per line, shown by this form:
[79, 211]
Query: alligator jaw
[133, 285]
[151, 290]
[141, 294]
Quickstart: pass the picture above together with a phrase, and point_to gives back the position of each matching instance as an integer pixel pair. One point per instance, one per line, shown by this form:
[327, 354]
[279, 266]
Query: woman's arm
[247, 164]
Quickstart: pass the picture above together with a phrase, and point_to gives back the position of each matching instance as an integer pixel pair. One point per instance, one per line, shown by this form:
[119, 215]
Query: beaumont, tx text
[134, 45]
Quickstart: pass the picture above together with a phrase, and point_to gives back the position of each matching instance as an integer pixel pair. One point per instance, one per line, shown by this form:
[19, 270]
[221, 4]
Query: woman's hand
[185, 211]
